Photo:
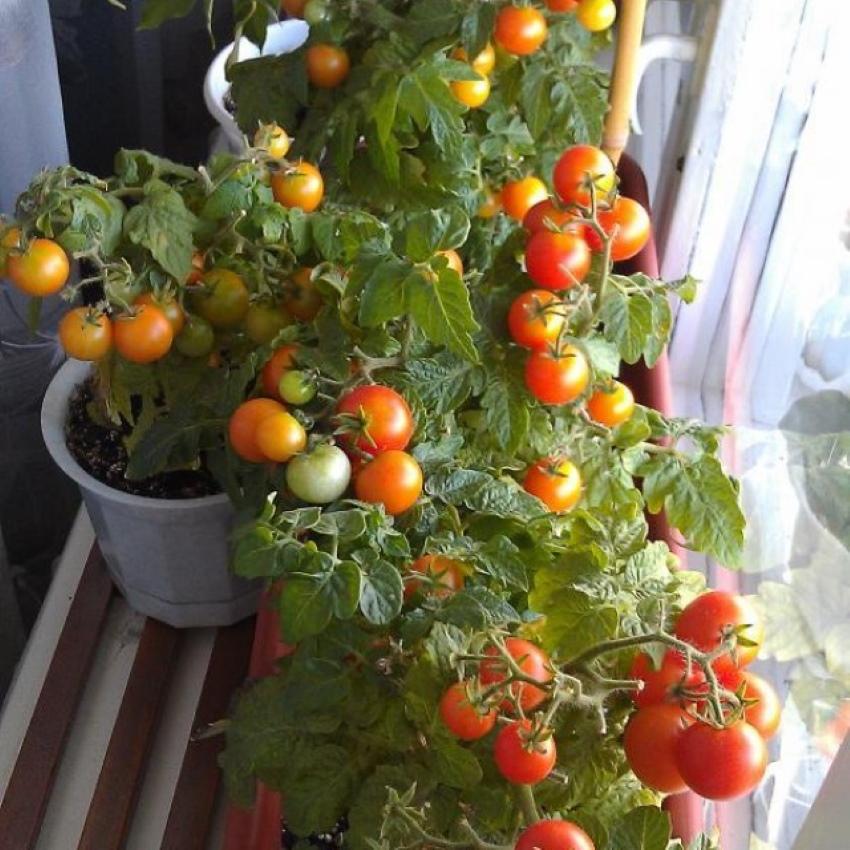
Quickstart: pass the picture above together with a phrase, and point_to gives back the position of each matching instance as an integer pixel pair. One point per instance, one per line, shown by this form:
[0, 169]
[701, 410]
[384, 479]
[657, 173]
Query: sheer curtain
[754, 201]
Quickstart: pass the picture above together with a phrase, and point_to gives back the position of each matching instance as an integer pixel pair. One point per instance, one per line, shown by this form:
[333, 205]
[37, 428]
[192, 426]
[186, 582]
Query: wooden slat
[121, 775]
[195, 795]
[24, 803]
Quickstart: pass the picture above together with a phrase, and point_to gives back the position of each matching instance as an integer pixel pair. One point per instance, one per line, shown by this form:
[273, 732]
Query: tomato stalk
[527, 803]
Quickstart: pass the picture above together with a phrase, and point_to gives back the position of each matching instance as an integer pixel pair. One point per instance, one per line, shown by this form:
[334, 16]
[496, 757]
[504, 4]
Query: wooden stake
[615, 133]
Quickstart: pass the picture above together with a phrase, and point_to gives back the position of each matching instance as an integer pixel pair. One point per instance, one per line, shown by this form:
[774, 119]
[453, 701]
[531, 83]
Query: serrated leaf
[574, 621]
[476, 28]
[382, 594]
[428, 232]
[645, 828]
[627, 321]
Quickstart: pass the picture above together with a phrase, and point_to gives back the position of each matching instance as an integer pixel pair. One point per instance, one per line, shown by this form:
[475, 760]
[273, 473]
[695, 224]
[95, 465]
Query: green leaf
[686, 288]
[645, 828]
[382, 594]
[382, 279]
[162, 224]
[574, 621]
[478, 608]
[627, 320]
[480, 491]
[536, 98]
[431, 231]
[156, 12]
[505, 404]
[269, 88]
[455, 765]
[440, 306]
[443, 382]
[476, 28]
[604, 356]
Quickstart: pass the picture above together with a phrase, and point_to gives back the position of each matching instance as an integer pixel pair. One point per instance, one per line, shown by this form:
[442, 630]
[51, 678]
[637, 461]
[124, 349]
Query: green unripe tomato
[196, 339]
[320, 477]
[263, 322]
[315, 12]
[297, 387]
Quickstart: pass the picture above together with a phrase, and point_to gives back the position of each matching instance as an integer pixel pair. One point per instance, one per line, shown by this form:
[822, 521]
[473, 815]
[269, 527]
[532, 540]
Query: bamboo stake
[615, 133]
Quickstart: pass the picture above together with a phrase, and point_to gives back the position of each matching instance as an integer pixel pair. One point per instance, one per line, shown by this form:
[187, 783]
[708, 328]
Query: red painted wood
[193, 804]
[122, 772]
[24, 803]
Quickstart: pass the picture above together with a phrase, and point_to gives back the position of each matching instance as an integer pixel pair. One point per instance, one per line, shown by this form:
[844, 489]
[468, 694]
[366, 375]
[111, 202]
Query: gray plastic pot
[169, 557]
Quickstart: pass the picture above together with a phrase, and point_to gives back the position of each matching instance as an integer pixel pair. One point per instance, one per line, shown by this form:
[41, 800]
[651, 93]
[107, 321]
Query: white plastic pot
[169, 557]
[283, 37]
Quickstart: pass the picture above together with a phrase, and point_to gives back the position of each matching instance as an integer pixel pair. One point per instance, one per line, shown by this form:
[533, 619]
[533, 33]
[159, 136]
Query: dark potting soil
[333, 840]
[100, 451]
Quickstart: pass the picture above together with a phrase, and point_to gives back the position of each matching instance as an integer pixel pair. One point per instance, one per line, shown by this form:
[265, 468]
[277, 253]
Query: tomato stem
[525, 798]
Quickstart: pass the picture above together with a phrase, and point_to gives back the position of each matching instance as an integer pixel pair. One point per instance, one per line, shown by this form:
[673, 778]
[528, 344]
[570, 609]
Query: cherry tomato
[301, 187]
[628, 222]
[144, 335]
[320, 477]
[296, 387]
[280, 437]
[562, 5]
[663, 683]
[264, 321]
[720, 764]
[596, 15]
[273, 139]
[196, 275]
[577, 167]
[39, 271]
[533, 662]
[243, 425]
[556, 482]
[462, 718]
[471, 93]
[327, 65]
[315, 12]
[557, 378]
[520, 29]
[521, 760]
[393, 479]
[650, 741]
[379, 419]
[223, 300]
[454, 260]
[709, 617]
[483, 63]
[766, 713]
[557, 260]
[85, 334]
[490, 206]
[612, 405]
[169, 305]
[545, 215]
[554, 835]
[293, 8]
[519, 196]
[444, 576]
[196, 339]
[536, 319]
[301, 298]
[280, 361]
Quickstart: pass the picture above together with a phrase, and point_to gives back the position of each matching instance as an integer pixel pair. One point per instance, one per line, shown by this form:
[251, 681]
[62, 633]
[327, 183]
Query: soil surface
[100, 451]
[327, 841]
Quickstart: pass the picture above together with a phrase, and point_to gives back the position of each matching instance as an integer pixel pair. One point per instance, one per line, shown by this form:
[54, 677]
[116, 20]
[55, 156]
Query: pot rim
[54, 410]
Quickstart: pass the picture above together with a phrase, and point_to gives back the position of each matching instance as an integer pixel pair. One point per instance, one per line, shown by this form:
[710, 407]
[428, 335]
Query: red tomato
[144, 335]
[377, 417]
[282, 359]
[766, 713]
[327, 65]
[629, 223]
[554, 835]
[612, 405]
[301, 298]
[520, 30]
[556, 482]
[393, 479]
[720, 764]
[577, 168]
[519, 196]
[536, 319]
[650, 743]
[709, 617]
[533, 662]
[557, 260]
[170, 306]
[462, 718]
[663, 683]
[557, 378]
[545, 215]
[445, 576]
[521, 760]
[562, 5]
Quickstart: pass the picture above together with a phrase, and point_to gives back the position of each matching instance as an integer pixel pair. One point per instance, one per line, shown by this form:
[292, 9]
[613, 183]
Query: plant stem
[525, 798]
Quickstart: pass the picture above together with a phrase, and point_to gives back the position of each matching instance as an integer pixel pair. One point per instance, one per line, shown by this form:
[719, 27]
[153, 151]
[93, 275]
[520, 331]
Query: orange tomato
[471, 93]
[85, 334]
[280, 437]
[453, 259]
[519, 196]
[483, 63]
[41, 270]
[143, 336]
[327, 65]
[612, 405]
[490, 206]
[301, 186]
[556, 482]
[444, 576]
[282, 359]
[393, 479]
[169, 305]
[520, 29]
[243, 425]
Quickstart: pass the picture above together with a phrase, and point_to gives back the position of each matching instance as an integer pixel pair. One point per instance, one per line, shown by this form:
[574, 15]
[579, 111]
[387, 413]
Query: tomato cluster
[676, 740]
